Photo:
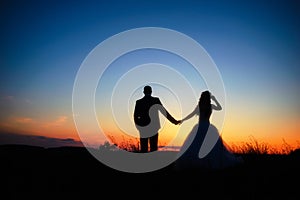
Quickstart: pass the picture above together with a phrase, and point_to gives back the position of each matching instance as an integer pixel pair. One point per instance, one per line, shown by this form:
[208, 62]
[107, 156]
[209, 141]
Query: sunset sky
[254, 44]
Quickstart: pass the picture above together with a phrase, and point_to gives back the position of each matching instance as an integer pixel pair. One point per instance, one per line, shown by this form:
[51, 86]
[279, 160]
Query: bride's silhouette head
[205, 105]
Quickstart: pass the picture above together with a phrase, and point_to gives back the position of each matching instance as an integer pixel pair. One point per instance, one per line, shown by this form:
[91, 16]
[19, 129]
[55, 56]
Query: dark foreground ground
[72, 172]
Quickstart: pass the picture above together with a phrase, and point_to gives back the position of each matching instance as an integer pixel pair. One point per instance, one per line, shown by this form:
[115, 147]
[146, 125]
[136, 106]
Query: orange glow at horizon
[273, 132]
[60, 127]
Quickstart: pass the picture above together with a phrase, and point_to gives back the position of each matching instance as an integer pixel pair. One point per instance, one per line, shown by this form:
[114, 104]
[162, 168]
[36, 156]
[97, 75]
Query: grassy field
[72, 172]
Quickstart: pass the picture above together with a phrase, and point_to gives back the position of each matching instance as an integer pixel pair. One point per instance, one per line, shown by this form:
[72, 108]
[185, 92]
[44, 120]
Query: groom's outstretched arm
[171, 118]
[167, 114]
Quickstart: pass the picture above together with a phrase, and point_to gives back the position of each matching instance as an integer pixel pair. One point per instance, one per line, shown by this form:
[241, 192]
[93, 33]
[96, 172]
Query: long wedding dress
[204, 147]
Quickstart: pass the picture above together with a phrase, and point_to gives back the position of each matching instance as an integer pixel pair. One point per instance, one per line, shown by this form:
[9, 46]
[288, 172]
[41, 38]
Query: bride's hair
[205, 104]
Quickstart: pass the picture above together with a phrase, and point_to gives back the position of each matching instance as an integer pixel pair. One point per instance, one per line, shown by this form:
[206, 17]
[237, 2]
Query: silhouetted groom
[146, 118]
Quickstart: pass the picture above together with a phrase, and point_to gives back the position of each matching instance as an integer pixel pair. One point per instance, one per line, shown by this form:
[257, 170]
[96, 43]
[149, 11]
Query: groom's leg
[154, 142]
[144, 145]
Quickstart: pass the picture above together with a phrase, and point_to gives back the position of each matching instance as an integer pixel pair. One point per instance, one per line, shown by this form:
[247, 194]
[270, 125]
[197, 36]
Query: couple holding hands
[146, 119]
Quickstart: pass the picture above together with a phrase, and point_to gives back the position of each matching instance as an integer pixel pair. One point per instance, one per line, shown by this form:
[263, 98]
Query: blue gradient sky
[255, 45]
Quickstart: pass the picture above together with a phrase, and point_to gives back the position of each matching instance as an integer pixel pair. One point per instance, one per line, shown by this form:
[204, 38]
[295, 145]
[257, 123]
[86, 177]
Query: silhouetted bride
[203, 147]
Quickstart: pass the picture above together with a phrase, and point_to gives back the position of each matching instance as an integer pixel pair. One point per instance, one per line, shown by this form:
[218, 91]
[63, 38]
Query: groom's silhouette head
[147, 90]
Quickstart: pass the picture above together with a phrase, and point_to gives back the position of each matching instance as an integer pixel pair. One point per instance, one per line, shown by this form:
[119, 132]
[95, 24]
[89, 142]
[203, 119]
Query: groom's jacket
[147, 110]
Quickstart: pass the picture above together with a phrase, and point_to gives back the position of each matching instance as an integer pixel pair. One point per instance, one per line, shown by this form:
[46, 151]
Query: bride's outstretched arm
[195, 112]
[217, 106]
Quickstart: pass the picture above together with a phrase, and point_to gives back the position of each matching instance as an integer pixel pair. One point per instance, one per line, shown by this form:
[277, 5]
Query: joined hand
[178, 122]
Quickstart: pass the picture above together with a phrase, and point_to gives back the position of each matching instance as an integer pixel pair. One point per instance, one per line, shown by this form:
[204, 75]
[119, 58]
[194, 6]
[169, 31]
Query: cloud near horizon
[59, 126]
[58, 121]
[36, 140]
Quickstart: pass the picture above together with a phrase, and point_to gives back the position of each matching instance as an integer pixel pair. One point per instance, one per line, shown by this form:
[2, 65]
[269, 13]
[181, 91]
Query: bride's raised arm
[217, 106]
